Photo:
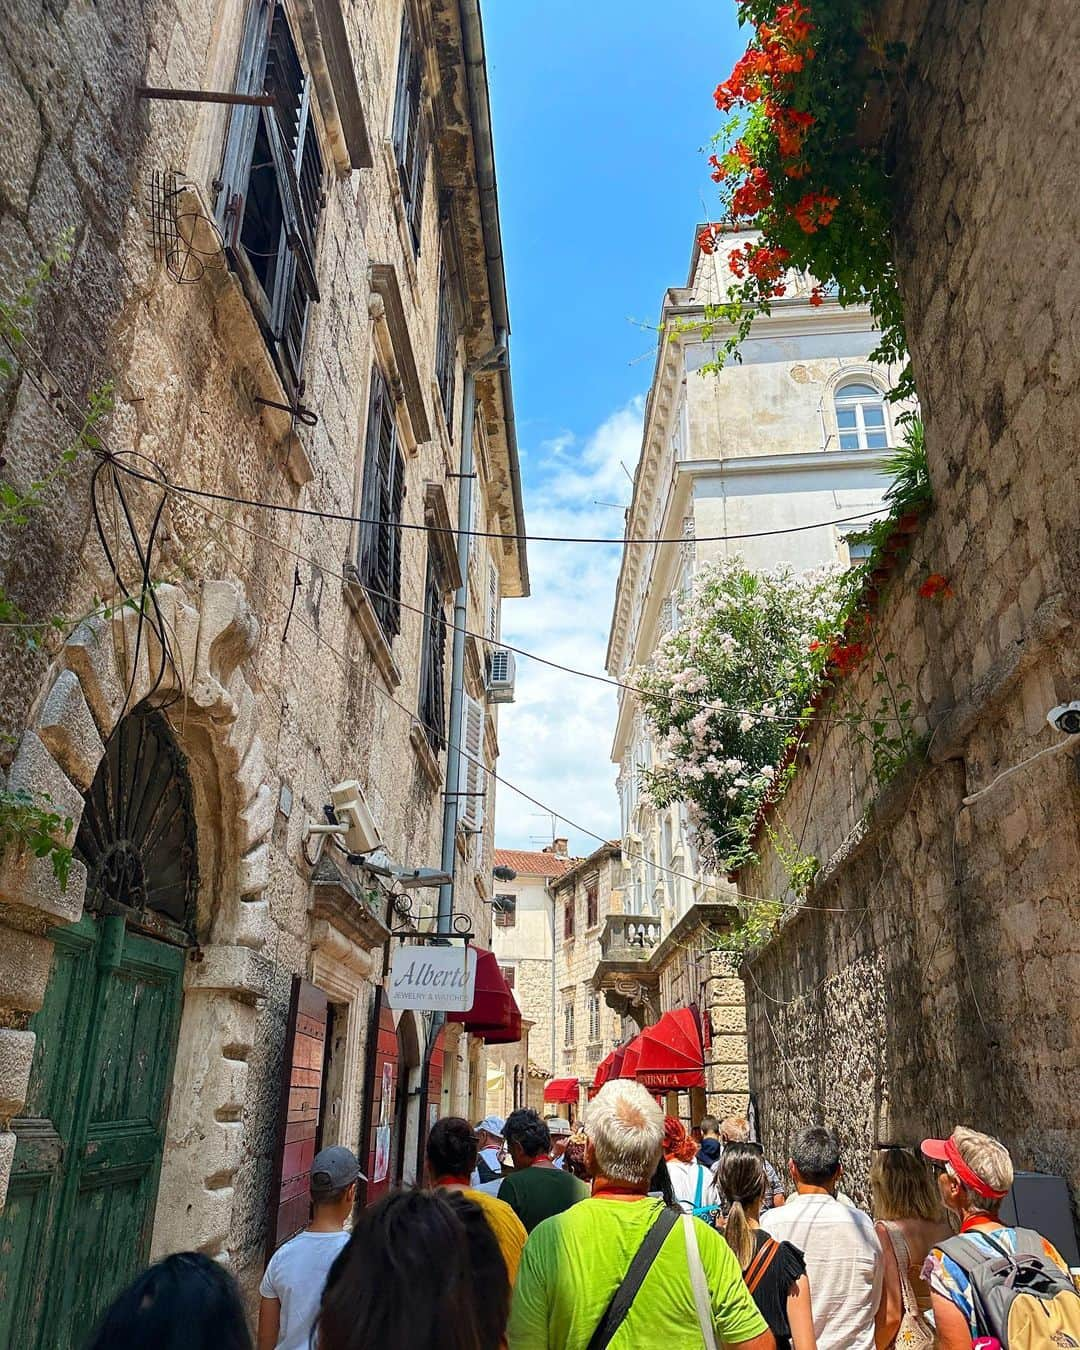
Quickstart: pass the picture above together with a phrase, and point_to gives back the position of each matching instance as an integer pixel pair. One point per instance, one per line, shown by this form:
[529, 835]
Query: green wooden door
[76, 1226]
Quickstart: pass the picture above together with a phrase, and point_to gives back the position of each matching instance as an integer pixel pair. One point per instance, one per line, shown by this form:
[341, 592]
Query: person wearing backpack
[990, 1280]
[622, 1269]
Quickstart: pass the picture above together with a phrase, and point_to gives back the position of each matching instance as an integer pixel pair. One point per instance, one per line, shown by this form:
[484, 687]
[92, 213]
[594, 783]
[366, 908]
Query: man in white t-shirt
[292, 1286]
[838, 1242]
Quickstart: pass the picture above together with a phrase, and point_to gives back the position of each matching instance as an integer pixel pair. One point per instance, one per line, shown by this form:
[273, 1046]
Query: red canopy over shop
[493, 1004]
[670, 1056]
[506, 1033]
[603, 1072]
[563, 1090]
[630, 1058]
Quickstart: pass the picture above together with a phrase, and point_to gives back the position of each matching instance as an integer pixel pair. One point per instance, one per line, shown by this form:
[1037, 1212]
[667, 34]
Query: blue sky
[600, 113]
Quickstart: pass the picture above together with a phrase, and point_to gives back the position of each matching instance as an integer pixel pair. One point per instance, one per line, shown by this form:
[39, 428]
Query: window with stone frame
[432, 709]
[861, 418]
[592, 901]
[504, 909]
[594, 1017]
[568, 916]
[270, 189]
[446, 338]
[409, 134]
[568, 1020]
[378, 557]
[507, 972]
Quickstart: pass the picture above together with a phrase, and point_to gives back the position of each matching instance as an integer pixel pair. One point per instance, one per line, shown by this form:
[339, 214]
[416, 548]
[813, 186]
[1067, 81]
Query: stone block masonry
[943, 990]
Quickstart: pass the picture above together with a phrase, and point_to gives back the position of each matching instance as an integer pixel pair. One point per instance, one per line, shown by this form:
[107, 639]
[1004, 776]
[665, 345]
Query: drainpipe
[551, 894]
[495, 360]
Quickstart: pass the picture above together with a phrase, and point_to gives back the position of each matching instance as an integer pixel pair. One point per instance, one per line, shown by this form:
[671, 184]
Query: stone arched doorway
[408, 1106]
[101, 673]
[91, 1137]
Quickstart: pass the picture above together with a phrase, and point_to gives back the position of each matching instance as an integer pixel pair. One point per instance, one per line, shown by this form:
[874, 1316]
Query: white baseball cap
[492, 1125]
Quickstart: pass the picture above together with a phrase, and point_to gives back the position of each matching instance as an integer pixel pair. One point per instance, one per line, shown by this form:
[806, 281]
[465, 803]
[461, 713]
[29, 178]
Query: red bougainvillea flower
[817, 294]
[708, 235]
[719, 169]
[936, 587]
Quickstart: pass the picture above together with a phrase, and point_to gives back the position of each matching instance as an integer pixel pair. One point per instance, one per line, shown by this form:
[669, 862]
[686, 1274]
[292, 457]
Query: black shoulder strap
[624, 1296]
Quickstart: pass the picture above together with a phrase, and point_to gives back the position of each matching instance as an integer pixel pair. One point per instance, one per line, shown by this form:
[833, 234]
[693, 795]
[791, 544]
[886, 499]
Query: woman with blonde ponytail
[775, 1272]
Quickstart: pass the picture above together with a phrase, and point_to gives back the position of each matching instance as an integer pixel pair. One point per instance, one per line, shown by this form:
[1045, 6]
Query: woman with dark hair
[775, 1272]
[422, 1271]
[186, 1302]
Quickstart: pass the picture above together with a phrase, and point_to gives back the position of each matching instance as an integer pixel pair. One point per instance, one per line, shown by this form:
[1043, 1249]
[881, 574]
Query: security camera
[1066, 718]
[361, 834]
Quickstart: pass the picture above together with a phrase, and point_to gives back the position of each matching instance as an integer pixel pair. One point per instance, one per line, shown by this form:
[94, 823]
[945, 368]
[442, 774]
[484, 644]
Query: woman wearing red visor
[975, 1173]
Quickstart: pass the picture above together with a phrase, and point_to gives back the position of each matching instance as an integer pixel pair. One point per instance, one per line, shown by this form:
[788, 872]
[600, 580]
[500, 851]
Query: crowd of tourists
[631, 1232]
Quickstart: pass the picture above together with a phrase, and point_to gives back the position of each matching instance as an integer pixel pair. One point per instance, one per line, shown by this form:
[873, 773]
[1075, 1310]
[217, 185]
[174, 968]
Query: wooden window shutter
[298, 1112]
[400, 132]
[473, 777]
[367, 543]
[432, 662]
[379, 552]
[446, 349]
[493, 602]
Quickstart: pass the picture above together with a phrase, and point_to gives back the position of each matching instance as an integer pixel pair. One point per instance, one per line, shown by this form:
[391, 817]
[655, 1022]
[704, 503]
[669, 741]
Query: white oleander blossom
[725, 692]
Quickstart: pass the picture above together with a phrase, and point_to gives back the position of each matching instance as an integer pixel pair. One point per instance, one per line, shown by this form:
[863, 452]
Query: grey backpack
[1023, 1298]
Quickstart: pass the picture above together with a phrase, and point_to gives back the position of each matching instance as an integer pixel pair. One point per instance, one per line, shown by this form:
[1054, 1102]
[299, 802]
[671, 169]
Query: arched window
[861, 418]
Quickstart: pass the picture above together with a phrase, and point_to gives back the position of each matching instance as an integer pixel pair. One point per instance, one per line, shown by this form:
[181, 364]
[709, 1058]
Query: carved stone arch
[103, 671]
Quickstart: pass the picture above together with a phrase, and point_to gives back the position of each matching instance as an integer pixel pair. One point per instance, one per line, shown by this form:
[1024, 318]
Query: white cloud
[555, 741]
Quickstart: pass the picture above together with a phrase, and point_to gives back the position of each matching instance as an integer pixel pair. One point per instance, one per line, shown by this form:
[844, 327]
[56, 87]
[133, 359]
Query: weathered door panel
[77, 1224]
[302, 1069]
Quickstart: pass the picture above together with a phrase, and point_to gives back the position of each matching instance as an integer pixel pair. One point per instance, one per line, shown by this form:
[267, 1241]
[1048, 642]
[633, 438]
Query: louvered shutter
[370, 498]
[493, 602]
[473, 778]
[243, 122]
[401, 92]
[395, 498]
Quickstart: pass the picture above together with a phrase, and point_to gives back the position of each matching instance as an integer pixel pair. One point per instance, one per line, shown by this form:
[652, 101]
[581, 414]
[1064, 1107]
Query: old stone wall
[930, 976]
[313, 698]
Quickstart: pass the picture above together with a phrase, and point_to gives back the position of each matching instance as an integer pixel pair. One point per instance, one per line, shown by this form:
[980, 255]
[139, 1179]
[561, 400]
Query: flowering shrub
[792, 167]
[726, 692]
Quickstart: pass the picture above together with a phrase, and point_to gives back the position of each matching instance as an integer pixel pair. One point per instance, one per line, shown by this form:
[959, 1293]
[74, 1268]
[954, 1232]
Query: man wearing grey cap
[489, 1134]
[292, 1286]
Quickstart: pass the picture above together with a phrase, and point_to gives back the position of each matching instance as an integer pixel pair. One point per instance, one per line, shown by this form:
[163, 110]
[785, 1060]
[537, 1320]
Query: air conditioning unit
[500, 676]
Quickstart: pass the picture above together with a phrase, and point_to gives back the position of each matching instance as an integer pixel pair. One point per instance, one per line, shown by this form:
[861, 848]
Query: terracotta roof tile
[529, 864]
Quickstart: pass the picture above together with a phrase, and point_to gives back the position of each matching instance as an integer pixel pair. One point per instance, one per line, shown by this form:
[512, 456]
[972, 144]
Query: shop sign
[432, 979]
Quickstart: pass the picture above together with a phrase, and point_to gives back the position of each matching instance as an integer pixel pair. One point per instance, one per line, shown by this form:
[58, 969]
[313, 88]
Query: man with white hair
[622, 1270]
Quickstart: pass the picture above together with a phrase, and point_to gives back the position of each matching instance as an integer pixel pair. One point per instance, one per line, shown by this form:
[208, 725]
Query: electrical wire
[341, 517]
[351, 662]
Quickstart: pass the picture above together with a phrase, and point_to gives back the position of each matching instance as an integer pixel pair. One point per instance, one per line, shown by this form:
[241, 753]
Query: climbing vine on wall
[29, 823]
[800, 160]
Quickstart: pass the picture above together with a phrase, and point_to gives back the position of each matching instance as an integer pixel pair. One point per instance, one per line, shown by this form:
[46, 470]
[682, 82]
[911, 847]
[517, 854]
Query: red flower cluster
[781, 50]
[817, 294]
[789, 126]
[708, 236]
[753, 195]
[814, 210]
[845, 656]
[936, 587]
[764, 264]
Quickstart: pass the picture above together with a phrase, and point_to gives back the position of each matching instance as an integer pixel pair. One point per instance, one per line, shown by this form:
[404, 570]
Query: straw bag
[914, 1332]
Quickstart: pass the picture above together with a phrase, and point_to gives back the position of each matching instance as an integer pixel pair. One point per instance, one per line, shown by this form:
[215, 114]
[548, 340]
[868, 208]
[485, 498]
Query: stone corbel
[340, 903]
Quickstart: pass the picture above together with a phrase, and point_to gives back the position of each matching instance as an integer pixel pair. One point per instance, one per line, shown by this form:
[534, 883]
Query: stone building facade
[341, 277]
[796, 434]
[524, 940]
[930, 976]
[586, 1028]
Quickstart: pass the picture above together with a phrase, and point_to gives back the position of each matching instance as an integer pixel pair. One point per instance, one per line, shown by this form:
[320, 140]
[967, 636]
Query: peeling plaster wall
[78, 154]
[946, 992]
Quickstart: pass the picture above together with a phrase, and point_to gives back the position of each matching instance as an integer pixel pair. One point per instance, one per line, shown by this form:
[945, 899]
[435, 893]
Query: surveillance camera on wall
[1066, 718]
[361, 833]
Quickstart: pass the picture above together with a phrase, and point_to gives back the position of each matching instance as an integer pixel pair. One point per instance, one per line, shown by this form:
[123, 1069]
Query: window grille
[433, 662]
[409, 131]
[379, 546]
[271, 193]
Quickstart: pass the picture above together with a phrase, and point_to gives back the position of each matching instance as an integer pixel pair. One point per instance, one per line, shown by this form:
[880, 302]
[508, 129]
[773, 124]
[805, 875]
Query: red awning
[671, 1057]
[603, 1071]
[563, 1090]
[493, 1003]
[509, 1033]
[630, 1058]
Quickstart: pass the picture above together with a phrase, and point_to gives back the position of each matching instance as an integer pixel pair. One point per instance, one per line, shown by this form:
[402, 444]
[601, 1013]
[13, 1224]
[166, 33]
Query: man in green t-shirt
[573, 1264]
[536, 1189]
